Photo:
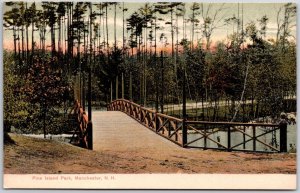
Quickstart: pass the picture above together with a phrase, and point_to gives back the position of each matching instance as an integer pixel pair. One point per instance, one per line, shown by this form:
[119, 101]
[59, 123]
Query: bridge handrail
[176, 129]
[233, 123]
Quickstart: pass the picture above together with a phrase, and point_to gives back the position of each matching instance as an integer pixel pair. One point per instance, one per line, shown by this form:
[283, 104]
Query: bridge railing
[228, 136]
[83, 132]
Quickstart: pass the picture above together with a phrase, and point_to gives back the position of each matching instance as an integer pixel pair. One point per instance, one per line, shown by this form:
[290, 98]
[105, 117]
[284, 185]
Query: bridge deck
[116, 131]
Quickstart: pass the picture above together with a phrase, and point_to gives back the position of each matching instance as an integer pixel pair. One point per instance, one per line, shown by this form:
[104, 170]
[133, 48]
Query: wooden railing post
[141, 114]
[90, 135]
[244, 138]
[184, 132]
[205, 138]
[156, 122]
[228, 139]
[254, 138]
[283, 135]
[169, 128]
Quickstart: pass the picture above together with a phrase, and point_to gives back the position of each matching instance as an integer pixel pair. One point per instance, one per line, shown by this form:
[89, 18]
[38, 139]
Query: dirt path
[30, 155]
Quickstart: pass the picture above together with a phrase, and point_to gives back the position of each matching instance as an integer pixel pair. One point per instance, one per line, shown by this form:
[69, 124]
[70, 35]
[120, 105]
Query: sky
[251, 12]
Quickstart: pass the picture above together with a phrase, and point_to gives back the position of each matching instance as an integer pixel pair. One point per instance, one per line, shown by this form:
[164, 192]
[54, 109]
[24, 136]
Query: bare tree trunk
[19, 47]
[106, 13]
[242, 95]
[52, 40]
[59, 35]
[115, 28]
[193, 29]
[22, 35]
[32, 38]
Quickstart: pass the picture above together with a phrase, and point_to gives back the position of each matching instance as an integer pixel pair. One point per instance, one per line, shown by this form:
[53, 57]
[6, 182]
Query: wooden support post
[111, 91]
[228, 139]
[176, 135]
[169, 129]
[117, 87]
[184, 115]
[184, 132]
[130, 86]
[145, 86]
[283, 135]
[156, 122]
[90, 95]
[244, 138]
[205, 138]
[122, 85]
[254, 138]
[83, 91]
[90, 135]
[156, 94]
[162, 83]
[140, 118]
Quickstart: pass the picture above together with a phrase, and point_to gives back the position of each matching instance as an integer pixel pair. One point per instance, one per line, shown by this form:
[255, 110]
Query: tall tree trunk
[123, 29]
[32, 38]
[155, 45]
[90, 60]
[115, 28]
[145, 67]
[27, 44]
[59, 35]
[19, 47]
[172, 33]
[107, 45]
[27, 39]
[103, 28]
[22, 35]
[193, 29]
[52, 40]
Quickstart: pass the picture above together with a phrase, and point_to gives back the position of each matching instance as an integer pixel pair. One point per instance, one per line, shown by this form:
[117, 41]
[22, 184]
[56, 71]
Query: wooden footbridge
[127, 125]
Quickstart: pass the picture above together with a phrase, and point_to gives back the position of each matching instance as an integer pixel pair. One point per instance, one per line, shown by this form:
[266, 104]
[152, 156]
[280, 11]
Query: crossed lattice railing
[164, 125]
[206, 135]
[247, 136]
[83, 134]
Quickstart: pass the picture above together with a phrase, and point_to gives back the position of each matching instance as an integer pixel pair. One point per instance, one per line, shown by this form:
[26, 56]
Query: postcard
[157, 95]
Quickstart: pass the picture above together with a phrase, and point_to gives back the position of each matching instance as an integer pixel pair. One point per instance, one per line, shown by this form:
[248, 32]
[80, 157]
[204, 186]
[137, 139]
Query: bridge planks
[116, 131]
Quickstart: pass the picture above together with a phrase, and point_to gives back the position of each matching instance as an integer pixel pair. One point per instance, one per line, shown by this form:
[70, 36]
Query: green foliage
[45, 84]
[35, 97]
[46, 90]
[15, 107]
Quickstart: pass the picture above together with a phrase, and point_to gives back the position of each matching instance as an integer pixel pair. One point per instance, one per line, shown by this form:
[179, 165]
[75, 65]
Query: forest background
[236, 62]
